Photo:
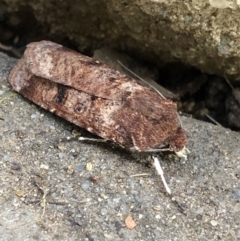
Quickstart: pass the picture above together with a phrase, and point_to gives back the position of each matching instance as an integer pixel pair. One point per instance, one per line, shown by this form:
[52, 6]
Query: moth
[98, 98]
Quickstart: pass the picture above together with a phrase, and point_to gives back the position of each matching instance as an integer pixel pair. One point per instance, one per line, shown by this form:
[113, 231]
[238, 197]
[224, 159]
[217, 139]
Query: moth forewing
[97, 98]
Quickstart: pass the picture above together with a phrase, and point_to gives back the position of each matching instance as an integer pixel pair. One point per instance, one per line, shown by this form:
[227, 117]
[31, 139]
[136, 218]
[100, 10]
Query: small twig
[140, 175]
[49, 202]
[44, 201]
[57, 203]
[7, 97]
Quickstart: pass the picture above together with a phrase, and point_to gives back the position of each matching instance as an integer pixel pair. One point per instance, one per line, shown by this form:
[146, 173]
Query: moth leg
[74, 138]
[160, 172]
[182, 153]
[158, 150]
[92, 139]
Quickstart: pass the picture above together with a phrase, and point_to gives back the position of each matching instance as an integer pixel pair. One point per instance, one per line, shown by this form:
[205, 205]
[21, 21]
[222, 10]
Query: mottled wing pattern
[97, 98]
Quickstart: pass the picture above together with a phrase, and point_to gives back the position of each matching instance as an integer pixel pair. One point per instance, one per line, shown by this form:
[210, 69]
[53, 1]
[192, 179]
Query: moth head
[177, 143]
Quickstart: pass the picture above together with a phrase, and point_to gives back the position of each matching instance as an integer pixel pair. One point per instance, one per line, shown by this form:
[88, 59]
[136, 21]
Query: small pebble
[6, 158]
[61, 155]
[130, 223]
[116, 200]
[214, 223]
[124, 208]
[79, 167]
[33, 116]
[43, 166]
[157, 208]
[16, 166]
[85, 185]
[104, 211]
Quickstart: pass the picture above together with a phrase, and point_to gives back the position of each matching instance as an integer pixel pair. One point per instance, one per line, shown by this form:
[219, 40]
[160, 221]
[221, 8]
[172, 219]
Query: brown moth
[98, 98]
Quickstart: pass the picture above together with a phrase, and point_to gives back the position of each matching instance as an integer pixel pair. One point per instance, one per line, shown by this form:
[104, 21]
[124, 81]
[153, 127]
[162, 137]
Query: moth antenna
[160, 172]
[10, 49]
[141, 79]
[228, 82]
[213, 120]
[5, 47]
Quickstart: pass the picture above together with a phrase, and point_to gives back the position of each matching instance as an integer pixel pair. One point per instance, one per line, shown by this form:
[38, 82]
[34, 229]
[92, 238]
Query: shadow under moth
[99, 99]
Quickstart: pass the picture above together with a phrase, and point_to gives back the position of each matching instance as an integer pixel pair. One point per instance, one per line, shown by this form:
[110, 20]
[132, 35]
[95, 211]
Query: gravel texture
[53, 189]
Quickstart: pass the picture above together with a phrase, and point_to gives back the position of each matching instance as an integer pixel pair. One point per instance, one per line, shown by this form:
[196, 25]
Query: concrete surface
[204, 34]
[92, 203]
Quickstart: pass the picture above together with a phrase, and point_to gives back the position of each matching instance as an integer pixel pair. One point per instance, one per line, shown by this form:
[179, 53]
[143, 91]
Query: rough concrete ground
[92, 204]
[204, 34]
